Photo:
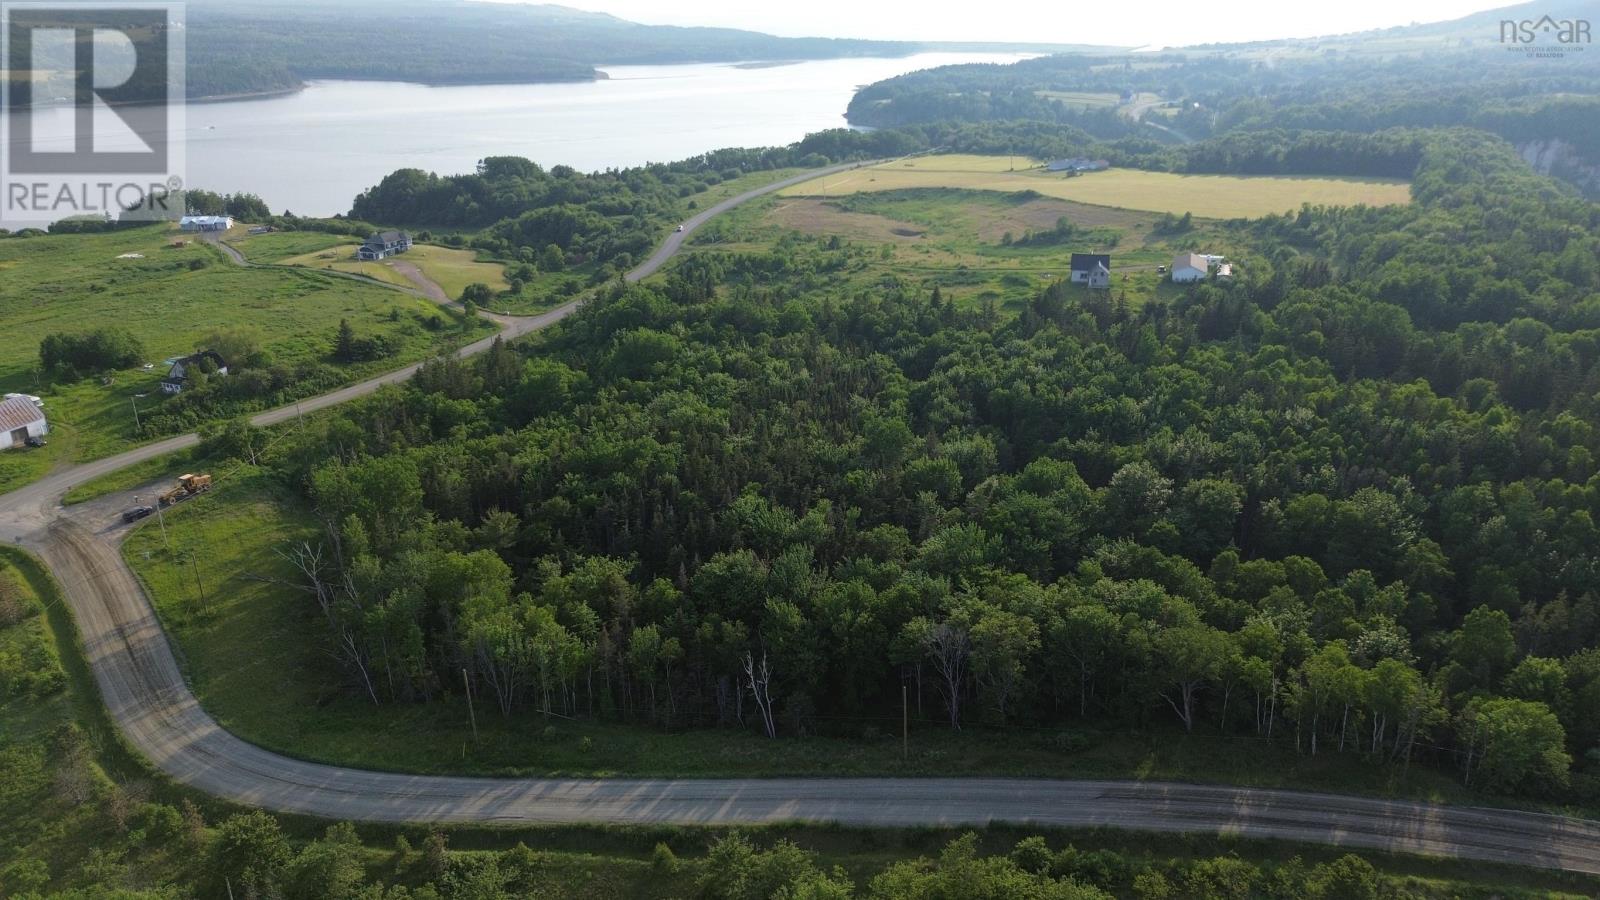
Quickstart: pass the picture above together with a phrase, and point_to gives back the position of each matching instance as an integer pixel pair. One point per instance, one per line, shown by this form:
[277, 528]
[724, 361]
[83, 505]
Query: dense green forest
[1206, 95]
[1345, 503]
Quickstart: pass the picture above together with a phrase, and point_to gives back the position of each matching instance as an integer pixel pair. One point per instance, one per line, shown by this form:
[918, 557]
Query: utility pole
[194, 562]
[135, 401]
[905, 724]
[471, 713]
[159, 518]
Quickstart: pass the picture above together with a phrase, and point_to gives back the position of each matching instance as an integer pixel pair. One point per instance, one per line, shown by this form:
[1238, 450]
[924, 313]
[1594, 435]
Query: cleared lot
[1208, 196]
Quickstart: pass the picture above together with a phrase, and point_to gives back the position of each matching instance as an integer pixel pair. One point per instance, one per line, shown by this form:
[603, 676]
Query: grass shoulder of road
[733, 187]
[71, 794]
[166, 467]
[255, 652]
[1210, 196]
[171, 297]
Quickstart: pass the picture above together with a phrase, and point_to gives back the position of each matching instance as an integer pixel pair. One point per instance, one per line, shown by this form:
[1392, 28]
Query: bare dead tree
[759, 680]
[307, 559]
[950, 648]
[348, 648]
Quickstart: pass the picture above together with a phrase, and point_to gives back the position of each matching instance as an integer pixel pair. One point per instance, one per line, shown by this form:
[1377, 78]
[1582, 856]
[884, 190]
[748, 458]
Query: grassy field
[277, 246]
[956, 239]
[1209, 196]
[170, 298]
[450, 268]
[1082, 99]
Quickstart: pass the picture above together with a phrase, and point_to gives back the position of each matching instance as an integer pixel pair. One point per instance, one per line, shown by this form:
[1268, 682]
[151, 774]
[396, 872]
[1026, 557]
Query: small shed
[20, 420]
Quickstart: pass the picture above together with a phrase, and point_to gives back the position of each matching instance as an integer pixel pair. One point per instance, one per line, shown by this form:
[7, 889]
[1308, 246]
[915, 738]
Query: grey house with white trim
[384, 244]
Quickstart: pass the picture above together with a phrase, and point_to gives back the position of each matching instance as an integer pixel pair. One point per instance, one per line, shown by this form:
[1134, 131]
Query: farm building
[384, 244]
[20, 420]
[205, 223]
[1077, 164]
[1189, 267]
[1093, 269]
[205, 361]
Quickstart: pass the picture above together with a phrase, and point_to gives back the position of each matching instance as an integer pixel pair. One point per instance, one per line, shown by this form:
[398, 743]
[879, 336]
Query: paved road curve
[143, 688]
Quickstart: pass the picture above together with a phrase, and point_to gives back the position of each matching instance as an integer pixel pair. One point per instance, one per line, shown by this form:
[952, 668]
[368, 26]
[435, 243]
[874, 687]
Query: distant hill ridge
[237, 48]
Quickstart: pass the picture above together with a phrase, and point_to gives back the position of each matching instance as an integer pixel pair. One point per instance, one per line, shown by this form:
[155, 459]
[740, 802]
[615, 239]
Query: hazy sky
[1120, 22]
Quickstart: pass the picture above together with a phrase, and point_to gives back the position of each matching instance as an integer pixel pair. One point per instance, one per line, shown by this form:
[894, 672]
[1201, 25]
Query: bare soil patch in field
[993, 221]
[822, 217]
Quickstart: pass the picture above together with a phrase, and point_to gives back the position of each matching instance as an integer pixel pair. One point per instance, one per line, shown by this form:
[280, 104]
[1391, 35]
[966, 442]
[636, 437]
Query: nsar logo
[1546, 36]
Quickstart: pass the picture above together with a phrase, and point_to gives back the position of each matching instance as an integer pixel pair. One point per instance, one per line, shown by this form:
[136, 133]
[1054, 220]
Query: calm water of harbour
[311, 152]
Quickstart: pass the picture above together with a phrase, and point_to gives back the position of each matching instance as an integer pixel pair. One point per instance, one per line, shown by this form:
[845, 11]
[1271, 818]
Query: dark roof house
[1085, 266]
[384, 244]
[205, 360]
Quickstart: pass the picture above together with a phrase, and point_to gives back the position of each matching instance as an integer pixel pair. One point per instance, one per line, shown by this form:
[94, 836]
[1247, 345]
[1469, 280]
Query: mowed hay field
[1208, 196]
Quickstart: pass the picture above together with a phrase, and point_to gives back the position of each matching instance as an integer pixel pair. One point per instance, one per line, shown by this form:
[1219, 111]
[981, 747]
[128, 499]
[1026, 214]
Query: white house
[1189, 267]
[20, 420]
[1077, 164]
[205, 223]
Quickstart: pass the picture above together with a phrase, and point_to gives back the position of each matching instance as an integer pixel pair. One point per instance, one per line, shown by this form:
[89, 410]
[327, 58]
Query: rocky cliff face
[1562, 160]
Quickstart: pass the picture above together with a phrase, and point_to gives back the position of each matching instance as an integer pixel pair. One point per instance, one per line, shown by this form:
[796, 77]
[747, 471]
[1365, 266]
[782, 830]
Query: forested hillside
[236, 47]
[559, 218]
[1345, 503]
[1182, 95]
